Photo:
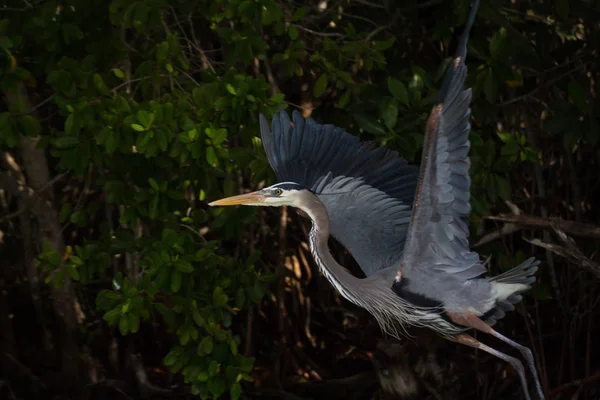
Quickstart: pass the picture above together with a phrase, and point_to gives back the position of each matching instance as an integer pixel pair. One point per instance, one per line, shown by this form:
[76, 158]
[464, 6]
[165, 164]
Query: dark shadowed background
[120, 120]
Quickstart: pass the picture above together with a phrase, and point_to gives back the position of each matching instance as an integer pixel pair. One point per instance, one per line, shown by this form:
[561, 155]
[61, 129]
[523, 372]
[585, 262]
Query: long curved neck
[339, 276]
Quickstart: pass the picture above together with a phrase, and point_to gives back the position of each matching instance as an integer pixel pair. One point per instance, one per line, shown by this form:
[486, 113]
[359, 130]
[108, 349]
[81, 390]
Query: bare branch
[376, 31]
[506, 229]
[573, 255]
[571, 227]
[367, 3]
[270, 77]
[326, 34]
[205, 62]
[13, 214]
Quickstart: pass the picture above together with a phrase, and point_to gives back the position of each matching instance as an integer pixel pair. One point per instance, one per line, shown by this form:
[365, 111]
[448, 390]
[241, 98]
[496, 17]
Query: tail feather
[523, 273]
[518, 279]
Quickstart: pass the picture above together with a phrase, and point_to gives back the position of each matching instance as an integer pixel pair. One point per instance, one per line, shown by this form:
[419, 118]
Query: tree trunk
[64, 301]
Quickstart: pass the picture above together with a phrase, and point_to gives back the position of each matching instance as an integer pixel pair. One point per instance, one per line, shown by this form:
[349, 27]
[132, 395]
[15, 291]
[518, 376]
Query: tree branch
[572, 254]
[571, 227]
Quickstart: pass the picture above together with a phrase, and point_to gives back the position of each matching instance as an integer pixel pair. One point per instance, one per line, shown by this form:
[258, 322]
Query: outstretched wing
[438, 236]
[367, 191]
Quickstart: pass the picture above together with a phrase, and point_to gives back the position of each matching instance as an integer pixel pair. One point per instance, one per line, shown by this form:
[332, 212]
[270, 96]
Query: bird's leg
[475, 322]
[517, 365]
[528, 357]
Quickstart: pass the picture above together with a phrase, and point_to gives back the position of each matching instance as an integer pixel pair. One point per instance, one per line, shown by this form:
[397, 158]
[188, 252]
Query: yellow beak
[248, 198]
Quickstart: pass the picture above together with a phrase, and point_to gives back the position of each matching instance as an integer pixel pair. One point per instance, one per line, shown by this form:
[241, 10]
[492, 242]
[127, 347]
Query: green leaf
[30, 126]
[320, 85]
[398, 90]
[134, 322]
[65, 142]
[54, 258]
[293, 32]
[145, 118]
[206, 346]
[124, 325]
[65, 212]
[221, 300]
[184, 335]
[235, 391]
[121, 104]
[137, 127]
[505, 136]
[247, 364]
[72, 272]
[233, 347]
[153, 184]
[201, 322]
[217, 136]
[118, 73]
[162, 278]
[498, 42]
[161, 52]
[69, 122]
[344, 99]
[211, 156]
[213, 367]
[113, 315]
[100, 85]
[153, 209]
[384, 44]
[298, 14]
[369, 124]
[389, 112]
[107, 299]
[171, 358]
[184, 266]
[230, 89]
[216, 386]
[76, 260]
[202, 377]
[175, 281]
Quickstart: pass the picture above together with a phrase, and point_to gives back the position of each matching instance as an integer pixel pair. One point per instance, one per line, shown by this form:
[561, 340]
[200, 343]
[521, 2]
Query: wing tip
[462, 48]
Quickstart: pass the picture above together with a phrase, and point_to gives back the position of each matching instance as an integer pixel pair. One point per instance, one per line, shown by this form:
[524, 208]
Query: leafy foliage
[150, 108]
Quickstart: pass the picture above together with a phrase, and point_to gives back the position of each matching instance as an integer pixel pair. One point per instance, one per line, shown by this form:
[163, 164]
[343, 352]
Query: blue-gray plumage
[367, 191]
[406, 227]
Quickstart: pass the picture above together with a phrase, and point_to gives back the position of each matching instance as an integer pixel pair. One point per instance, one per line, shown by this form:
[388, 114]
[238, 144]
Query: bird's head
[280, 194]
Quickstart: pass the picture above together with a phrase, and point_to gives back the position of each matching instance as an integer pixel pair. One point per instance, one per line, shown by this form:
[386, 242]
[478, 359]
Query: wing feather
[367, 190]
[438, 235]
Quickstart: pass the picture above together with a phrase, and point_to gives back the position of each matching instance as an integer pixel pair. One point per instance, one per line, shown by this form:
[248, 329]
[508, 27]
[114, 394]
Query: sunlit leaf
[118, 73]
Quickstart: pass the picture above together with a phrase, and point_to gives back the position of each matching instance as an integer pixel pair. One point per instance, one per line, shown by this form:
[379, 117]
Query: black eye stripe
[288, 186]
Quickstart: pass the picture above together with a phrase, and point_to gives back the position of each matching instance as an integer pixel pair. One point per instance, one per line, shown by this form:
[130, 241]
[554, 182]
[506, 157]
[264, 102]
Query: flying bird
[405, 226]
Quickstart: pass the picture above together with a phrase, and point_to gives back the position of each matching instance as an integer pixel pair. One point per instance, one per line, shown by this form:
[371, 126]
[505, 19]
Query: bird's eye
[278, 192]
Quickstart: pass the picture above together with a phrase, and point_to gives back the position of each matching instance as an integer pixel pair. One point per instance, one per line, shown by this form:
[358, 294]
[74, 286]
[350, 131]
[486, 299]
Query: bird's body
[424, 298]
[418, 265]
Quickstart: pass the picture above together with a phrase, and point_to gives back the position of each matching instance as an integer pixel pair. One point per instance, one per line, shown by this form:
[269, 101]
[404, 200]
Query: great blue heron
[418, 266]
